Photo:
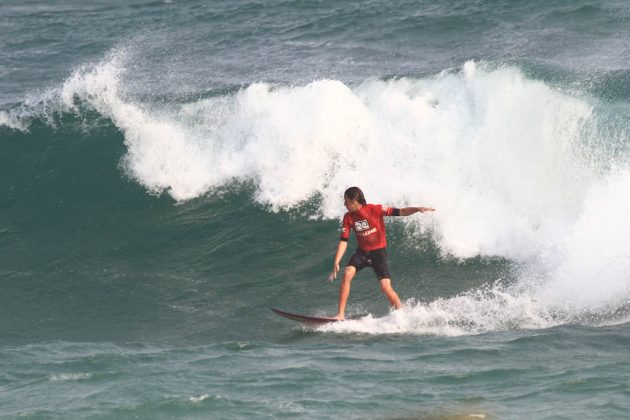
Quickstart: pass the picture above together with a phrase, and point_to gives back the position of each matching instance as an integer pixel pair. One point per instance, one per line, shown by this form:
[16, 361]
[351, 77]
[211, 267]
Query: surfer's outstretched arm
[341, 249]
[408, 211]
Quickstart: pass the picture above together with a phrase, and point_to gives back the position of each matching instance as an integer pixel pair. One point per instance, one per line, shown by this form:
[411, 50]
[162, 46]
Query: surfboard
[305, 319]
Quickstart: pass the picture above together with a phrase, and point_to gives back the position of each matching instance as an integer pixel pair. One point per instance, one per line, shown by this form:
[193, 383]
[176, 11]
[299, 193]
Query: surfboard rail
[305, 319]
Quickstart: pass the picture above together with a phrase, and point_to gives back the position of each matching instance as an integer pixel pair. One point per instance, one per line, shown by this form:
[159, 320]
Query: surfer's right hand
[333, 274]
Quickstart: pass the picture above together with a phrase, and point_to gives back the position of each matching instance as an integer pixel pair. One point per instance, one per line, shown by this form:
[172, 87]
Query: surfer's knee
[349, 273]
[386, 286]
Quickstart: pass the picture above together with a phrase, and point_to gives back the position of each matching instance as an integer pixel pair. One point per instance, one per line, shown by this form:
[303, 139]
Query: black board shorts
[377, 259]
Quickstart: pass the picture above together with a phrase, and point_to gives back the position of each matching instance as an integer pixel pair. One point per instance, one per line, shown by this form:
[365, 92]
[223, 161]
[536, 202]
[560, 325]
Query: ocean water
[171, 170]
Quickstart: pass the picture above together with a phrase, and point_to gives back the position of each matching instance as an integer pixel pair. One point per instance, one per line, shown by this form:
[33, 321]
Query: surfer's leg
[344, 290]
[388, 290]
[358, 260]
[380, 264]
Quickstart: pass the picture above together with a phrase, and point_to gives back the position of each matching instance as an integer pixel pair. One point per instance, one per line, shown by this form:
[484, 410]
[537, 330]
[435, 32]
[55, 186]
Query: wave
[516, 168]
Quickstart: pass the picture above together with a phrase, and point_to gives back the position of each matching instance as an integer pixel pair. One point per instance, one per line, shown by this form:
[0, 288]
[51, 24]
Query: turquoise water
[172, 170]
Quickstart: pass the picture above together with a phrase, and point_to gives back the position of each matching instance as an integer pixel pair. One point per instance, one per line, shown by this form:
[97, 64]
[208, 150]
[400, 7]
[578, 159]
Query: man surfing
[369, 228]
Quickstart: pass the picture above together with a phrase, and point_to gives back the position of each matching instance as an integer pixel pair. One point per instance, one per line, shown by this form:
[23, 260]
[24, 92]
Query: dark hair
[355, 193]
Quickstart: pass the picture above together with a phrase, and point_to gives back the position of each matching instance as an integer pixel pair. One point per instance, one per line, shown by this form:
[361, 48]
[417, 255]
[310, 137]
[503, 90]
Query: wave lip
[10, 121]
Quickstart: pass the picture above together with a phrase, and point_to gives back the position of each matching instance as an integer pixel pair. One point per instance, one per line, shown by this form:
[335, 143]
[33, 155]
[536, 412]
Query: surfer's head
[354, 199]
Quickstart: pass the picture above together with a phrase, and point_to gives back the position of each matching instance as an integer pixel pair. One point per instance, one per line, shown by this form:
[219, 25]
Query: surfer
[369, 228]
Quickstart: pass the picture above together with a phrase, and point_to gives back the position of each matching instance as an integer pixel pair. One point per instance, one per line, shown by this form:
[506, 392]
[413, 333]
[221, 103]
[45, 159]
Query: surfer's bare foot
[339, 317]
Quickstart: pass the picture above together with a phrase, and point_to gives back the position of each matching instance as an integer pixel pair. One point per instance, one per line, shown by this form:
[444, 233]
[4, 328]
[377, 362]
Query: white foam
[70, 376]
[8, 120]
[594, 269]
[17, 118]
[477, 311]
[199, 398]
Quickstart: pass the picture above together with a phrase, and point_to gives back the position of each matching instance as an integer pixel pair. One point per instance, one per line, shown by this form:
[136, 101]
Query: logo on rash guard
[361, 225]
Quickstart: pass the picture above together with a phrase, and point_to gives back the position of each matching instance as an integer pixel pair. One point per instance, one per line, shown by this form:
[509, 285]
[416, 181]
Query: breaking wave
[516, 168]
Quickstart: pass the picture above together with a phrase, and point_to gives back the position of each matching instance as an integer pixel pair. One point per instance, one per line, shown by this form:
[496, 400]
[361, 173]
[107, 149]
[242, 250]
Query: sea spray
[594, 269]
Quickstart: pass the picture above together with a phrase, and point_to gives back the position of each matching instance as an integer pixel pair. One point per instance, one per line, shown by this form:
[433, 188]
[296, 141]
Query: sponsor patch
[361, 225]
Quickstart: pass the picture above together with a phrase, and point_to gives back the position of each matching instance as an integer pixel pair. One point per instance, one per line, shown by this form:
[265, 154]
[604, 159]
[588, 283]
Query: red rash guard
[368, 225]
